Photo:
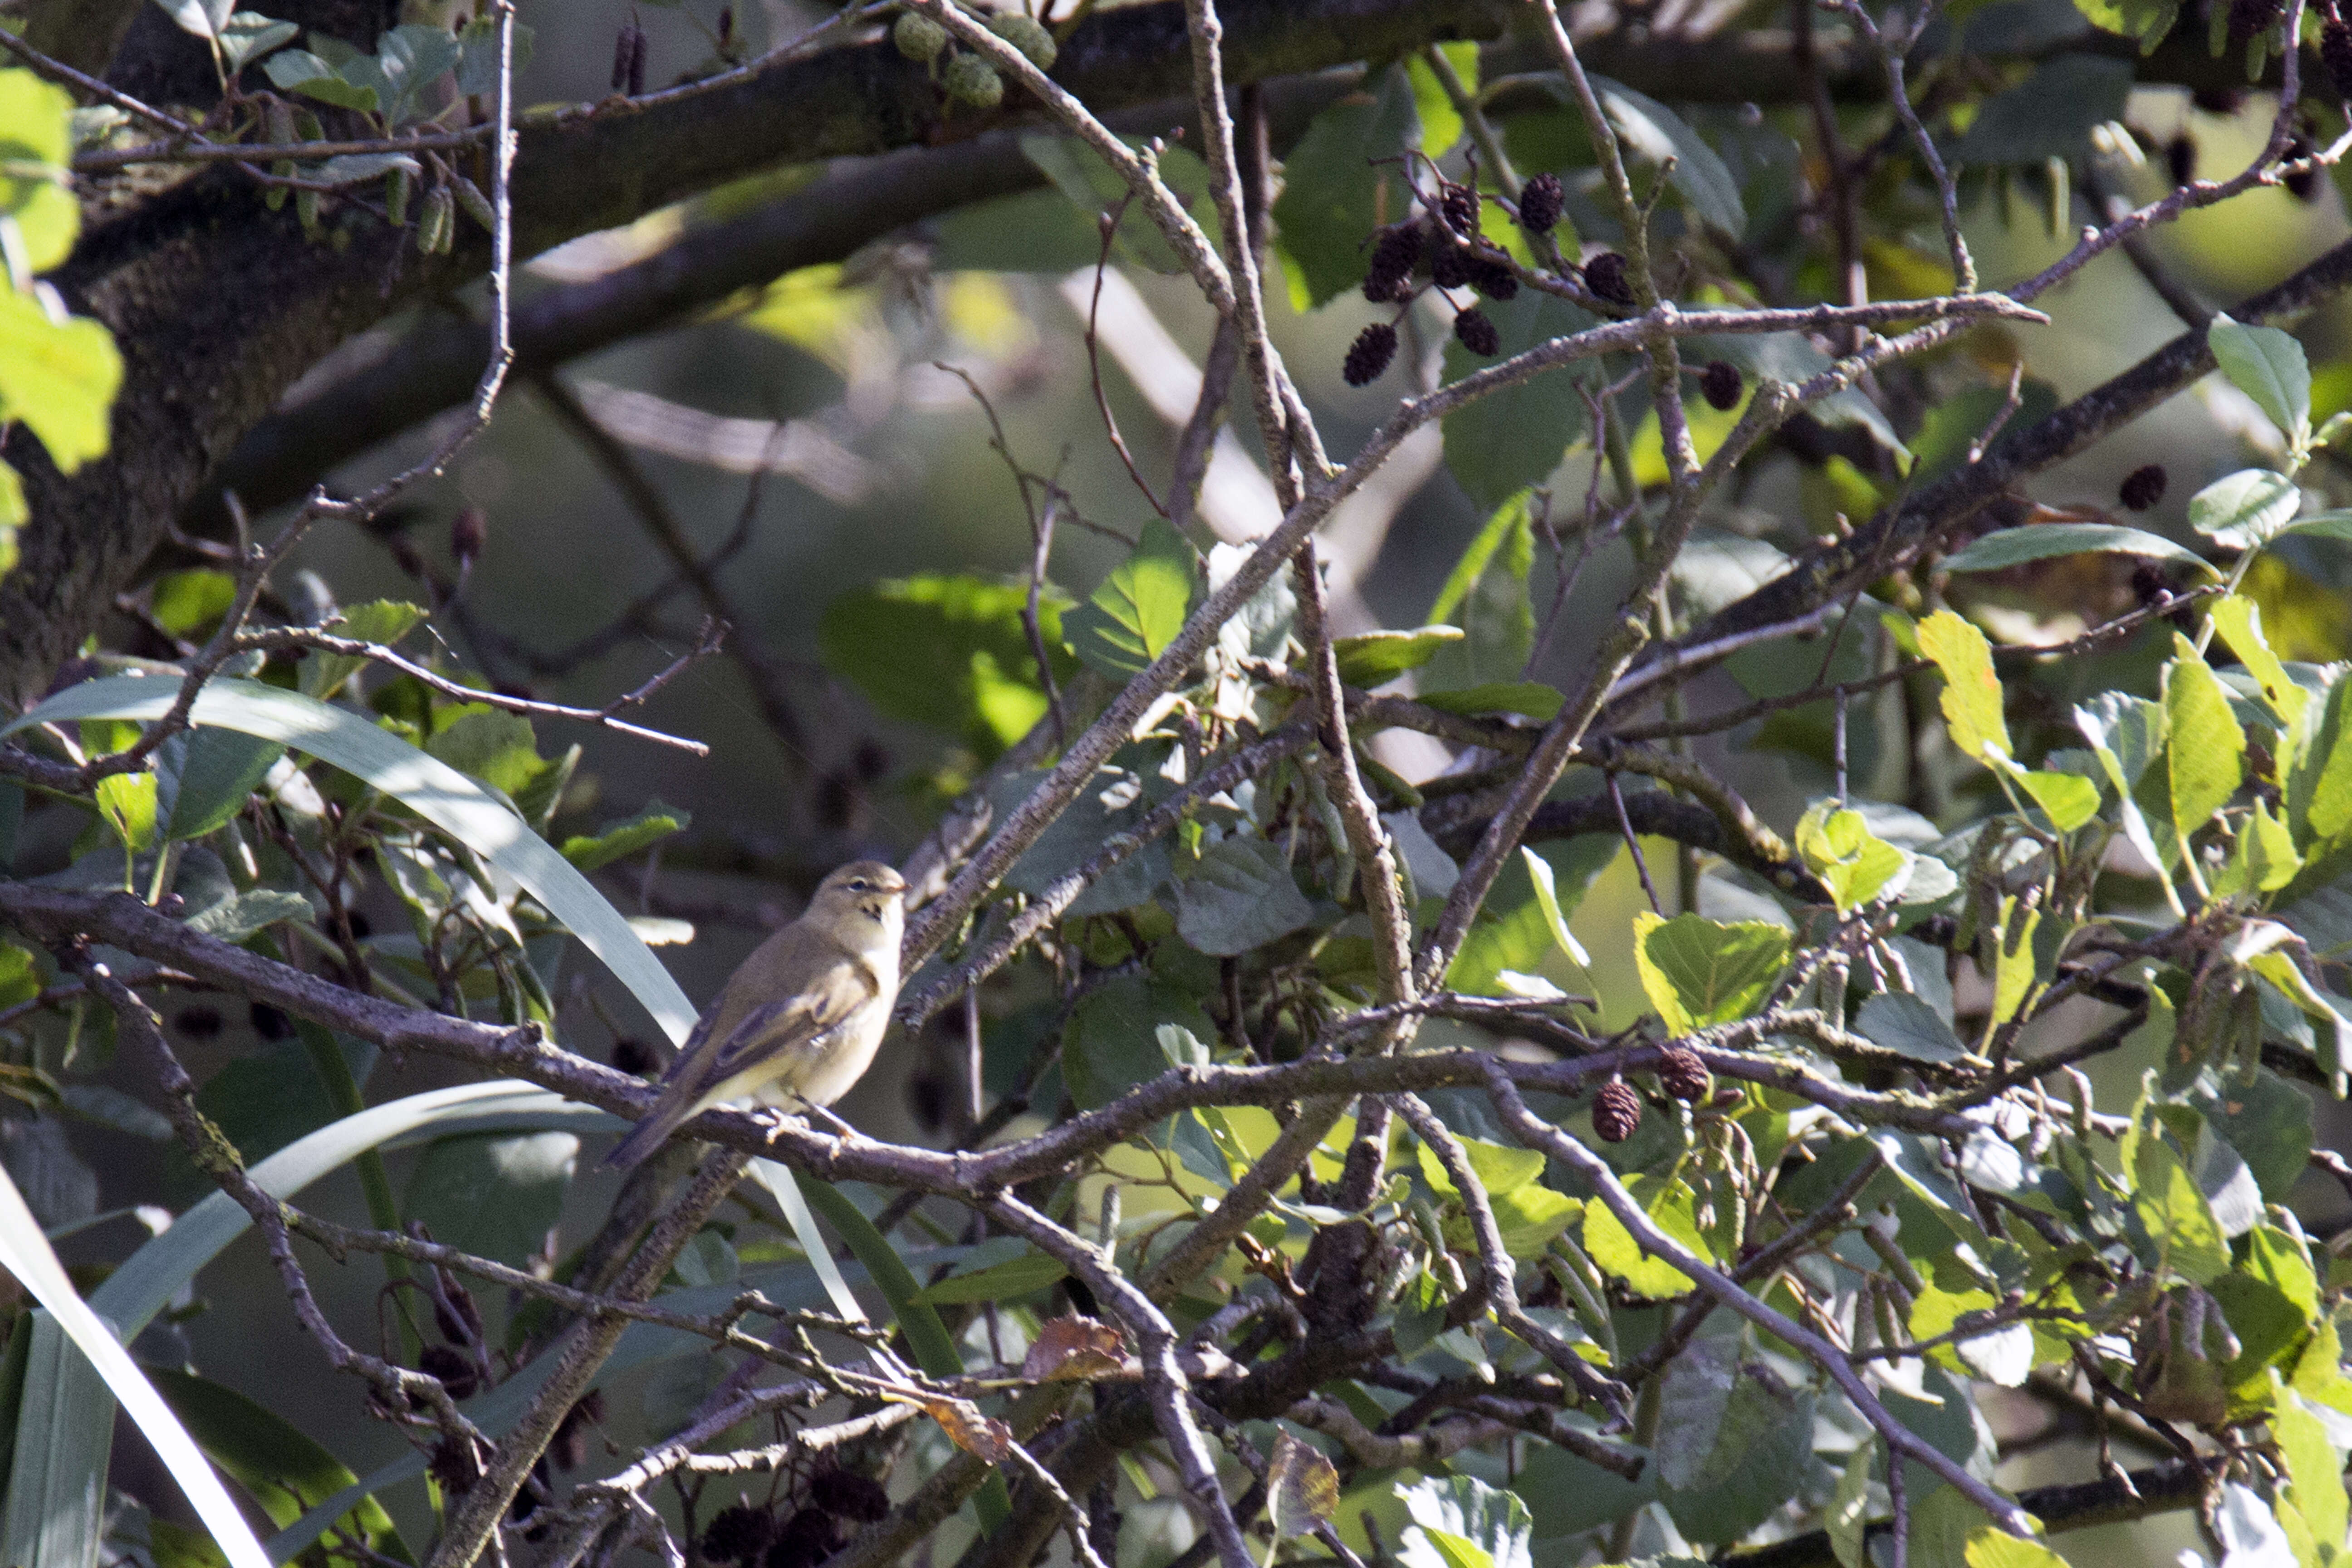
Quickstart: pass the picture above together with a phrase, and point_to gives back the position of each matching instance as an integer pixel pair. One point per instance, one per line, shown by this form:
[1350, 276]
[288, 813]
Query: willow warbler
[799, 1022]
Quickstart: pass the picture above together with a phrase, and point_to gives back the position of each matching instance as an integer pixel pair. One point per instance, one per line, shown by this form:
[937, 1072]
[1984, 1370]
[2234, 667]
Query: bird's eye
[860, 885]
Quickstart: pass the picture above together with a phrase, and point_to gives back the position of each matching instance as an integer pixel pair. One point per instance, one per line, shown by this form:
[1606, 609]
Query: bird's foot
[834, 1124]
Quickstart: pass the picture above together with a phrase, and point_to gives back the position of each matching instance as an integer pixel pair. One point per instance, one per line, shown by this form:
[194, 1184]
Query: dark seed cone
[454, 1466]
[807, 1539]
[2222, 100]
[2142, 487]
[1459, 207]
[1605, 276]
[1494, 280]
[1540, 201]
[1369, 354]
[1616, 1112]
[2303, 184]
[2180, 159]
[2336, 54]
[2248, 18]
[469, 531]
[638, 65]
[1719, 383]
[726, 29]
[1450, 268]
[1395, 256]
[625, 50]
[454, 1367]
[199, 1023]
[738, 1533]
[849, 1495]
[1476, 329]
[1683, 1075]
[455, 1313]
[633, 1056]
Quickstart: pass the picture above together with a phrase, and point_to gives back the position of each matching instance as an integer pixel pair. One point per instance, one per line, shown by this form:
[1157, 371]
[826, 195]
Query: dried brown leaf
[1302, 1488]
[1074, 1349]
[983, 1437]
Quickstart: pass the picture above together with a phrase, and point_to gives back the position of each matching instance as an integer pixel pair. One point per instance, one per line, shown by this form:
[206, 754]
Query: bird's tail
[649, 1135]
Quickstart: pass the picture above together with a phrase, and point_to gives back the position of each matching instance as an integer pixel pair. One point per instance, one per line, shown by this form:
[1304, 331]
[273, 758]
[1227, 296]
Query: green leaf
[2176, 1215]
[1516, 436]
[2050, 114]
[235, 919]
[1112, 1041]
[1993, 1548]
[2268, 1120]
[1694, 1447]
[494, 1195]
[1486, 594]
[2144, 21]
[1078, 836]
[408, 59]
[298, 70]
[947, 651]
[1239, 898]
[1672, 1207]
[1971, 699]
[1140, 607]
[1375, 658]
[127, 800]
[2319, 777]
[1651, 130]
[431, 789]
[205, 776]
[1007, 1281]
[1901, 1022]
[2332, 525]
[1849, 1515]
[281, 1467]
[1514, 932]
[1493, 1523]
[185, 601]
[2245, 509]
[625, 835]
[1091, 185]
[1341, 182]
[247, 35]
[1532, 698]
[380, 621]
[2315, 1469]
[20, 975]
[36, 139]
[2267, 365]
[58, 1522]
[477, 61]
[1548, 900]
[204, 18]
[2206, 757]
[2040, 541]
[2068, 800]
[2264, 859]
[58, 377]
[2002, 1355]
[1854, 863]
[1698, 972]
[1501, 1168]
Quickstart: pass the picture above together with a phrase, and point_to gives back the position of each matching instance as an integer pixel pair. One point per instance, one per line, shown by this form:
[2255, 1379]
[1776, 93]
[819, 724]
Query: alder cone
[1369, 356]
[2336, 54]
[1605, 276]
[1541, 203]
[1616, 1112]
[1459, 207]
[1719, 384]
[1476, 331]
[1682, 1074]
[2142, 487]
[738, 1533]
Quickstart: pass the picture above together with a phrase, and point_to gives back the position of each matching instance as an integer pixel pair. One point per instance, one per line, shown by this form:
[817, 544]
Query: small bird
[799, 1022]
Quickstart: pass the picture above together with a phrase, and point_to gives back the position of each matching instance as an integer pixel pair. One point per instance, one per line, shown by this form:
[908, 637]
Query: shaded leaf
[1239, 898]
[1374, 658]
[1336, 190]
[1074, 1348]
[1657, 134]
[2268, 365]
[2015, 546]
[2244, 511]
[1033, 1270]
[625, 835]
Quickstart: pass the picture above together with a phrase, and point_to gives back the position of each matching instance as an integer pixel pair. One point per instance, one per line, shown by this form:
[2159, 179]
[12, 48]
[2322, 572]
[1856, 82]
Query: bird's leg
[823, 1113]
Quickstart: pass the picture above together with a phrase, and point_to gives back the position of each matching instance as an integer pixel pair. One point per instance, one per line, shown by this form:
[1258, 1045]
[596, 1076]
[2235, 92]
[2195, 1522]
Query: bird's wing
[793, 1023]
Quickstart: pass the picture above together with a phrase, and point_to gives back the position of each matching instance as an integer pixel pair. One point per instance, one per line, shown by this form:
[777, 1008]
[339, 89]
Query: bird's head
[865, 896]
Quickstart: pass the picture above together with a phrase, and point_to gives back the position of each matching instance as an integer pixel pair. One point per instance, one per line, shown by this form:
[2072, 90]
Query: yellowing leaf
[811, 310]
[2264, 859]
[2240, 622]
[127, 800]
[2207, 752]
[58, 377]
[1971, 699]
[1548, 899]
[1990, 1547]
[2177, 1215]
[1854, 863]
[1613, 1247]
[1302, 1488]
